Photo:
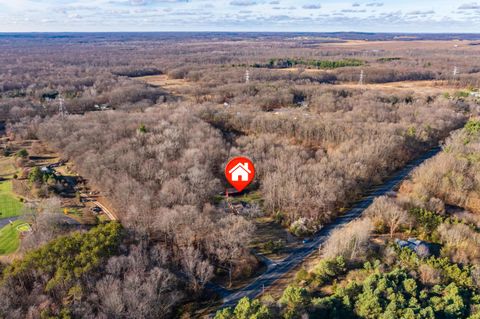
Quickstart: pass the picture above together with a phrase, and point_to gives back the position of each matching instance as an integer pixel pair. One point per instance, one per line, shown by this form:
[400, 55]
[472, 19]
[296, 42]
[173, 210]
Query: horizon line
[233, 31]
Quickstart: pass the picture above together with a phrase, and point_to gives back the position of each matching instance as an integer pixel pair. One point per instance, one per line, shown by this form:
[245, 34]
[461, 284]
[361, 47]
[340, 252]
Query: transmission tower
[362, 76]
[61, 107]
[455, 71]
[247, 76]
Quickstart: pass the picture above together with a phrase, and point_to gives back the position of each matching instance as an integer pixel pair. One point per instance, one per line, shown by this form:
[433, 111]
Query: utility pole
[455, 71]
[362, 76]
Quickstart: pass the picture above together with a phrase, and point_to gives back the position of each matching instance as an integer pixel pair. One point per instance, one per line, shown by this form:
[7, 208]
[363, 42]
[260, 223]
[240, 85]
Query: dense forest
[89, 71]
[150, 122]
[365, 273]
[453, 175]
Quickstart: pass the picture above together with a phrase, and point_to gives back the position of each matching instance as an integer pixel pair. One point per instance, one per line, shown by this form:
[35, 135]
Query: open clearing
[10, 204]
[7, 169]
[163, 81]
[427, 87]
[267, 230]
[174, 86]
[409, 45]
[10, 236]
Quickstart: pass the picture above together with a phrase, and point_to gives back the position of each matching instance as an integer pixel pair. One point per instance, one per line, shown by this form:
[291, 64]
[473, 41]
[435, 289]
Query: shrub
[303, 227]
[274, 246]
[23, 153]
[302, 275]
[427, 221]
[461, 94]
[294, 299]
[473, 126]
[142, 129]
[245, 309]
[328, 269]
[7, 152]
[35, 175]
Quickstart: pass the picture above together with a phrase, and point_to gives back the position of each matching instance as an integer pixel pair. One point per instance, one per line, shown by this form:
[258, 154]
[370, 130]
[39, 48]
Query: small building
[46, 170]
[420, 247]
[102, 107]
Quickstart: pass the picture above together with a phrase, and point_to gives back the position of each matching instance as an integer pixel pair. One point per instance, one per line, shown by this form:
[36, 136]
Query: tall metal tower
[362, 76]
[247, 76]
[61, 107]
[455, 71]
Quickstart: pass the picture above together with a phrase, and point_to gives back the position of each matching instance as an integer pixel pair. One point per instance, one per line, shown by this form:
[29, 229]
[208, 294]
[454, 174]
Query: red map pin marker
[240, 172]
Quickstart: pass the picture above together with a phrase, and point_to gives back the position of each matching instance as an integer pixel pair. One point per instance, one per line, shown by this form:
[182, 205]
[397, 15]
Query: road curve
[107, 212]
[5, 221]
[255, 288]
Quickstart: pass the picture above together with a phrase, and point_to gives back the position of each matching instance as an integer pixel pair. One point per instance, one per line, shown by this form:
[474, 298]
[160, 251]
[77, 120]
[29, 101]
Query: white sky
[240, 15]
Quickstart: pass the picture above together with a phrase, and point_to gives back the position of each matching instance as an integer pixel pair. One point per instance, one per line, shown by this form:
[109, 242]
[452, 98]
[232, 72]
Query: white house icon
[240, 171]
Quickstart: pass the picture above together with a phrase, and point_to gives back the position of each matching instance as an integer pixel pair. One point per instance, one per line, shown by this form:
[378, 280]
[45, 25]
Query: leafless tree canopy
[351, 241]
[156, 147]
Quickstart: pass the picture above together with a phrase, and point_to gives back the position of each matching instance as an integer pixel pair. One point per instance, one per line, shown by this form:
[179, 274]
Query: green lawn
[10, 205]
[10, 237]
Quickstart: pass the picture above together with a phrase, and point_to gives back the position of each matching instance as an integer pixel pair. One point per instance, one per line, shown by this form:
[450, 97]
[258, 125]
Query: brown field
[175, 86]
[404, 45]
[165, 82]
[426, 87]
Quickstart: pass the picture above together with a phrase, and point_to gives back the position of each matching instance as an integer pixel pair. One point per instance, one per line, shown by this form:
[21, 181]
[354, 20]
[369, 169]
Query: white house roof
[244, 166]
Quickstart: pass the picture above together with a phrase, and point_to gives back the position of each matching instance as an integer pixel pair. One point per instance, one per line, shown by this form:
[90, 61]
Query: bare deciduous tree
[350, 241]
[386, 211]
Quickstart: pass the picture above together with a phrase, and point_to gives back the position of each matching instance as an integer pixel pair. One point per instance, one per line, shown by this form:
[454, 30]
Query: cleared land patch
[428, 87]
[10, 236]
[7, 169]
[165, 82]
[10, 204]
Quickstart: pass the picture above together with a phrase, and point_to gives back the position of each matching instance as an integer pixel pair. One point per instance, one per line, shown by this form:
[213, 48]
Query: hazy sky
[240, 15]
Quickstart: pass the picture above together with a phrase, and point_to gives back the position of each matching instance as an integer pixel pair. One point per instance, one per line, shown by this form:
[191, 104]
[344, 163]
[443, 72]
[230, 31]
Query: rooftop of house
[414, 244]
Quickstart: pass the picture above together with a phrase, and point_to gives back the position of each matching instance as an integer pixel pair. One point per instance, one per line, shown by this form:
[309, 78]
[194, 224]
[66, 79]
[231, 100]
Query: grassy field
[10, 236]
[10, 205]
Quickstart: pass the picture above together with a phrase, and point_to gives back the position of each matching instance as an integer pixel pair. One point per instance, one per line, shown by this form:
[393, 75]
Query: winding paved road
[5, 221]
[107, 212]
[276, 270]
